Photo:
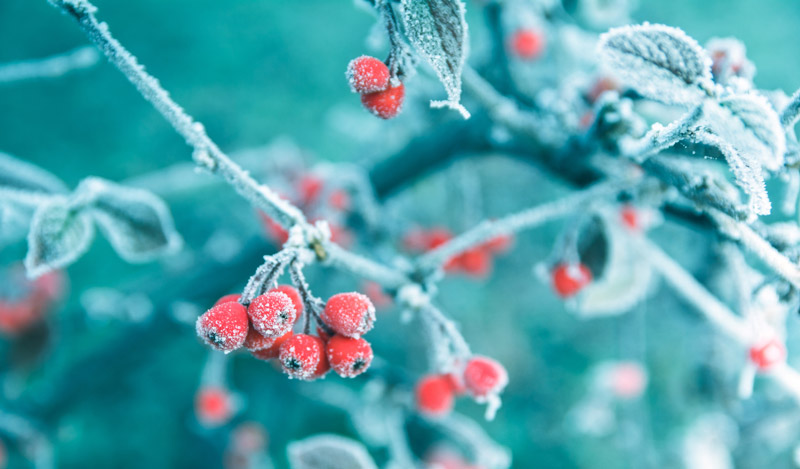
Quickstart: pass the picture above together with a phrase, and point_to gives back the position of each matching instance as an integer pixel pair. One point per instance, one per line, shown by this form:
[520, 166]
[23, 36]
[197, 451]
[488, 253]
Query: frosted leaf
[625, 280]
[747, 173]
[438, 30]
[327, 451]
[750, 124]
[17, 176]
[59, 234]
[660, 62]
[136, 222]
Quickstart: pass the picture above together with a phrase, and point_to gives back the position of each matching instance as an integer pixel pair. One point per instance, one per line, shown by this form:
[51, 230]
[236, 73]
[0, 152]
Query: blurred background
[112, 375]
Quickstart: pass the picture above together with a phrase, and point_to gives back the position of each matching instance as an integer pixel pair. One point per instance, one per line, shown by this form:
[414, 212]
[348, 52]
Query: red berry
[435, 395]
[301, 355]
[630, 217]
[272, 351]
[367, 74]
[349, 357]
[527, 44]
[339, 199]
[224, 326]
[385, 104]
[293, 295]
[477, 262]
[309, 188]
[436, 237]
[484, 376]
[274, 230]
[228, 298]
[767, 354]
[255, 341]
[570, 279]
[349, 314]
[213, 406]
[499, 244]
[272, 314]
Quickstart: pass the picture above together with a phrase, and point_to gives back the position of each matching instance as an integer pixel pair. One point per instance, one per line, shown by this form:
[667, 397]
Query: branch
[659, 138]
[791, 112]
[50, 67]
[206, 153]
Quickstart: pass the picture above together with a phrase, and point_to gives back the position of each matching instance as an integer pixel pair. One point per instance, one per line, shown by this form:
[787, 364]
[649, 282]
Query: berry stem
[266, 275]
[313, 305]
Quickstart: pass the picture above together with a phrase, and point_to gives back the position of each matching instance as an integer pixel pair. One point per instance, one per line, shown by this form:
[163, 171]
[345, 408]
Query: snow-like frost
[660, 62]
[438, 30]
[328, 451]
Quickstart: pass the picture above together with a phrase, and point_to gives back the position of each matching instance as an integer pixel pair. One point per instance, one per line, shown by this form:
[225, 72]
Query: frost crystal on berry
[301, 355]
[272, 314]
[349, 357]
[367, 74]
[349, 314]
[224, 326]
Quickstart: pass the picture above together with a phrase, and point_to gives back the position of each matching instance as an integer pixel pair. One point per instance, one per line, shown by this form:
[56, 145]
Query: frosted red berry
[213, 406]
[228, 298]
[301, 355]
[293, 295]
[367, 74]
[272, 314]
[527, 44]
[224, 326]
[348, 357]
[569, 279]
[385, 104]
[484, 376]
[768, 354]
[271, 351]
[435, 395]
[476, 261]
[349, 314]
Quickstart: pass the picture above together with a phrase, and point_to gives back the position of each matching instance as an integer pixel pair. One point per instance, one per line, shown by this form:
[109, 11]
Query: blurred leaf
[24, 182]
[660, 62]
[437, 29]
[59, 234]
[137, 223]
[329, 452]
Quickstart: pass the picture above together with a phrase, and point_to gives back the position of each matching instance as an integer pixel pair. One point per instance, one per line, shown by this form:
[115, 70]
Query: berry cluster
[476, 261]
[265, 326]
[380, 93]
[482, 378]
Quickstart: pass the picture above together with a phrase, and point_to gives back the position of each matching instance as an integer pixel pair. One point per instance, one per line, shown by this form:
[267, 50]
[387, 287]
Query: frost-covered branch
[50, 67]
[659, 137]
[364, 267]
[791, 112]
[206, 153]
[510, 224]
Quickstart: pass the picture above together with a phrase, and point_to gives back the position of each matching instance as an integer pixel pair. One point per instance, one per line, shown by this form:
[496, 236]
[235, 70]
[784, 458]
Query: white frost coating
[137, 223]
[57, 237]
[660, 62]
[328, 451]
[746, 171]
[750, 124]
[438, 30]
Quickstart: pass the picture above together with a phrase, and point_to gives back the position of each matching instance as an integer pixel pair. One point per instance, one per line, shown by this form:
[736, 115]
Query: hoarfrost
[59, 235]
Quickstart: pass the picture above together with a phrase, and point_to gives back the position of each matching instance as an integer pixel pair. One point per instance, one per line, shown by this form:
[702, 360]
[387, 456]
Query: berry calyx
[768, 354]
[293, 295]
[273, 350]
[435, 395]
[224, 326]
[484, 376]
[300, 356]
[348, 357]
[367, 74]
[349, 314]
[272, 314]
[569, 279]
[527, 44]
[385, 104]
[213, 406]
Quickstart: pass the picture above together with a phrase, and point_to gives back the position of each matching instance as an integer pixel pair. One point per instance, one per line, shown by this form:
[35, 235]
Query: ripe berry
[273, 350]
[255, 341]
[213, 406]
[570, 279]
[435, 395]
[484, 376]
[367, 74]
[293, 295]
[477, 262]
[527, 44]
[340, 200]
[349, 314]
[301, 355]
[272, 314]
[499, 244]
[275, 231]
[228, 298]
[767, 354]
[224, 326]
[349, 357]
[630, 218]
[309, 187]
[385, 104]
